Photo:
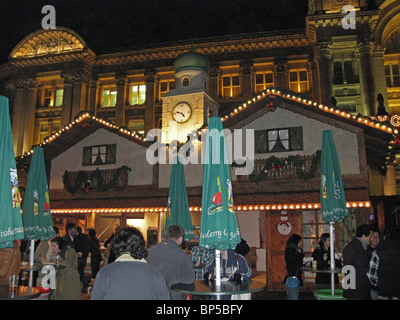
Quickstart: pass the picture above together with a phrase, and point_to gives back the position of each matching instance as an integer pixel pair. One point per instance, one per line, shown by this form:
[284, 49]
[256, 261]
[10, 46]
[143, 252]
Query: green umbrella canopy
[333, 201]
[11, 226]
[36, 211]
[219, 227]
[178, 204]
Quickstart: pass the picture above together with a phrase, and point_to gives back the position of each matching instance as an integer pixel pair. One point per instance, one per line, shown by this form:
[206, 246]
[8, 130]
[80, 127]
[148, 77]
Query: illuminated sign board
[394, 119]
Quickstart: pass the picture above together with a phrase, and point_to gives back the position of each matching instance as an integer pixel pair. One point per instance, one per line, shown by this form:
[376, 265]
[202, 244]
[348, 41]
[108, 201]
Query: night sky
[109, 24]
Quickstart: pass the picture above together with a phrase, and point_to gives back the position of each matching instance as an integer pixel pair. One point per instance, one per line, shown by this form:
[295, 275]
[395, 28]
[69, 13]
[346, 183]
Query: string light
[80, 119]
[251, 207]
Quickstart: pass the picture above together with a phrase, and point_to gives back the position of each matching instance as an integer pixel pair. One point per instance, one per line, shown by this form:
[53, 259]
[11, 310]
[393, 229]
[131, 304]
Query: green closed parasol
[178, 204]
[11, 226]
[36, 214]
[333, 201]
[38, 223]
[219, 227]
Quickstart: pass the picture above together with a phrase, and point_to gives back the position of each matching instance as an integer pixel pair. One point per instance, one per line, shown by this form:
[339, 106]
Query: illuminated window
[109, 97]
[165, 86]
[313, 228]
[136, 124]
[53, 97]
[392, 75]
[137, 94]
[279, 140]
[48, 98]
[59, 97]
[44, 131]
[99, 155]
[298, 81]
[230, 86]
[55, 127]
[264, 80]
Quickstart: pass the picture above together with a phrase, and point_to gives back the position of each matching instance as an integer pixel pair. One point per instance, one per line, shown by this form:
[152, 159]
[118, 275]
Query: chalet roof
[83, 125]
[379, 137]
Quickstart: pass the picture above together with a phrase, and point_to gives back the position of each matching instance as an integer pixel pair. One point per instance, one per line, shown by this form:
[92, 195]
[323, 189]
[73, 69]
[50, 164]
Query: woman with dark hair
[68, 285]
[95, 253]
[294, 262]
[129, 277]
[321, 254]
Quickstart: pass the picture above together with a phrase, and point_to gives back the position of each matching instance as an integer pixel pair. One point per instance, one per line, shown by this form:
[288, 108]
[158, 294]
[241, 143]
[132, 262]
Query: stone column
[30, 117]
[19, 112]
[81, 79]
[280, 76]
[378, 69]
[312, 71]
[150, 98]
[367, 78]
[246, 69]
[213, 74]
[67, 100]
[120, 104]
[323, 53]
[93, 95]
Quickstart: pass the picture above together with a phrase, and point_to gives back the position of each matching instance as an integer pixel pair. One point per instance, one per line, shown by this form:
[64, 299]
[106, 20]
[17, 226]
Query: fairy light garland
[249, 207]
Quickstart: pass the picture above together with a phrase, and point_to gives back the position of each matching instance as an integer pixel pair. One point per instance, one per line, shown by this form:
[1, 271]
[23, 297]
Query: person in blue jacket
[231, 263]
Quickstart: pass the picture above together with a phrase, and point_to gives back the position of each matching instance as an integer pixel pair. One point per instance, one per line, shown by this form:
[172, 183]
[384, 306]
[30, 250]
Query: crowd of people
[134, 272]
[375, 261]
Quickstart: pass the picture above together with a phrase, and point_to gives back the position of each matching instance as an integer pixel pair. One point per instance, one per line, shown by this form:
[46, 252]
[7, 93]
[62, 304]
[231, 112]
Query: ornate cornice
[323, 50]
[72, 76]
[207, 48]
[280, 64]
[48, 42]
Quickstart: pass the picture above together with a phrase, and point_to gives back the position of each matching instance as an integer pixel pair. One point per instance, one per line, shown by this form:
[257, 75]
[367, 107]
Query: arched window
[186, 82]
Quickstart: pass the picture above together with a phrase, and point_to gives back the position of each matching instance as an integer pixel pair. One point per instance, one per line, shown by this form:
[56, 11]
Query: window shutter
[296, 138]
[260, 140]
[86, 155]
[111, 154]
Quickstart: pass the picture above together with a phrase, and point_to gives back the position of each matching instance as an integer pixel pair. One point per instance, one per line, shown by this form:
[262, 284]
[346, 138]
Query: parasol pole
[332, 249]
[218, 267]
[31, 260]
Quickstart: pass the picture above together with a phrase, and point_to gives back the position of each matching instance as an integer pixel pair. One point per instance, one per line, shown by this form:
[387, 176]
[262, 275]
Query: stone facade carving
[323, 50]
[345, 92]
[48, 43]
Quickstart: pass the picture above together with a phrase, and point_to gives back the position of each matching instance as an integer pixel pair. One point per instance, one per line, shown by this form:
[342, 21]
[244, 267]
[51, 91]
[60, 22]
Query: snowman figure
[284, 226]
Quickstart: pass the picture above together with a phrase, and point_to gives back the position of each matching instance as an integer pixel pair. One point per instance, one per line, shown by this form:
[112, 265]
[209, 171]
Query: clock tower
[186, 108]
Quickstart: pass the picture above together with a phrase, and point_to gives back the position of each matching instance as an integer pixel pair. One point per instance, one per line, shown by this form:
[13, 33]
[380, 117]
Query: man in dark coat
[70, 233]
[356, 254]
[81, 244]
[384, 267]
[172, 261]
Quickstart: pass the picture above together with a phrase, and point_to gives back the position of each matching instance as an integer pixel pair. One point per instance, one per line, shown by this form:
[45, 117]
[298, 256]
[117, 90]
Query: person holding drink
[321, 256]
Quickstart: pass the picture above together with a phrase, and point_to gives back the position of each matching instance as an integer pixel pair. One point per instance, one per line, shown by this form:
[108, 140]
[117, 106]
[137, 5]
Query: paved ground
[262, 295]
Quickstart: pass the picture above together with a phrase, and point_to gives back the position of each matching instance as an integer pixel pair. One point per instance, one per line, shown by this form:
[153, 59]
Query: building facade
[93, 112]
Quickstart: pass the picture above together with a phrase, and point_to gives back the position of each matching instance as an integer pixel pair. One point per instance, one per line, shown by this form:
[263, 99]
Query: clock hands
[180, 113]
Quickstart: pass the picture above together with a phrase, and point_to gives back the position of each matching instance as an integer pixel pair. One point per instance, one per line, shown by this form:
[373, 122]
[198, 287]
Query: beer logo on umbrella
[169, 208]
[35, 202]
[324, 191]
[46, 205]
[16, 196]
[336, 187]
[217, 205]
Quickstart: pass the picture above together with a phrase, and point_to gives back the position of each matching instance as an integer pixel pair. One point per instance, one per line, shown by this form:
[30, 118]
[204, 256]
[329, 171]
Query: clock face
[182, 112]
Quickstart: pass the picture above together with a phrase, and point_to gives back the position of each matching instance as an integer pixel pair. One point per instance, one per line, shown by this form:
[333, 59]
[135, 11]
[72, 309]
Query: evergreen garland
[274, 163]
[84, 181]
